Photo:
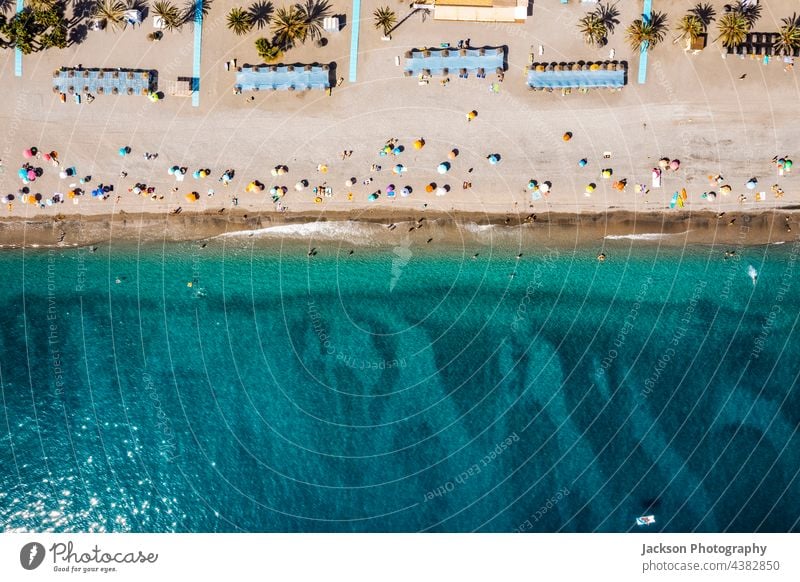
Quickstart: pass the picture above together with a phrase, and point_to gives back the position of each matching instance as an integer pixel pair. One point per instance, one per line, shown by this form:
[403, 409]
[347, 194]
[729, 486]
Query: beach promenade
[695, 108]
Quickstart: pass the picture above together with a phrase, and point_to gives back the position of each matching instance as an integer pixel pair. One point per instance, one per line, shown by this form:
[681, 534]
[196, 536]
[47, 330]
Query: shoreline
[371, 228]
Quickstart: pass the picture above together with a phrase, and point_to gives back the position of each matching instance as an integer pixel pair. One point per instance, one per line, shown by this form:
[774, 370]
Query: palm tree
[651, 31]
[385, 18]
[112, 11]
[314, 12]
[41, 5]
[169, 14]
[788, 40]
[289, 26]
[733, 29]
[268, 51]
[705, 12]
[691, 27]
[239, 21]
[260, 12]
[593, 29]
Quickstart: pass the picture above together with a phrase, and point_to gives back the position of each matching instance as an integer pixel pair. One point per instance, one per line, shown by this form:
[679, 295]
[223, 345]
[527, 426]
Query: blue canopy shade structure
[444, 61]
[283, 77]
[104, 81]
[575, 76]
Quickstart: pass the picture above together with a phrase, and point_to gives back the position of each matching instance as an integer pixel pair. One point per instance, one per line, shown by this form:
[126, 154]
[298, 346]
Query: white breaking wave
[645, 235]
[477, 228]
[350, 231]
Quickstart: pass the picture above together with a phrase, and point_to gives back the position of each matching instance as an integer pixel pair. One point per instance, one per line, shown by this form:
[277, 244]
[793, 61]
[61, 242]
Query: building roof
[481, 10]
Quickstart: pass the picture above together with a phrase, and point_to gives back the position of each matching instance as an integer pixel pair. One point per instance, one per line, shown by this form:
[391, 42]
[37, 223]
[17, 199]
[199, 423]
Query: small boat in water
[646, 520]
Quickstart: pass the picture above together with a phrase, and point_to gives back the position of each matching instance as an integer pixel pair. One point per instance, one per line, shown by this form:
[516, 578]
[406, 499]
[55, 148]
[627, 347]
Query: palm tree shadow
[609, 14]
[260, 13]
[7, 5]
[141, 5]
[705, 13]
[411, 13]
[190, 10]
[751, 12]
[77, 34]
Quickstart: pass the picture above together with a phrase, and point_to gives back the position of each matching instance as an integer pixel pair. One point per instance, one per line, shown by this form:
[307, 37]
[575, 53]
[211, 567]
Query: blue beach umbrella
[173, 169]
[124, 151]
[493, 159]
[399, 169]
[532, 184]
[751, 183]
[373, 197]
[443, 168]
[405, 192]
[391, 193]
[583, 163]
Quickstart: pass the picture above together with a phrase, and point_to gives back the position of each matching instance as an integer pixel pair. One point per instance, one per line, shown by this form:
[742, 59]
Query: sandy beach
[693, 108]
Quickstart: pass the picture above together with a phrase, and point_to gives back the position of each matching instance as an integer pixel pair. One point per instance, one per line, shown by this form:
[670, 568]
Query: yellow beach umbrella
[607, 173]
[419, 144]
[192, 197]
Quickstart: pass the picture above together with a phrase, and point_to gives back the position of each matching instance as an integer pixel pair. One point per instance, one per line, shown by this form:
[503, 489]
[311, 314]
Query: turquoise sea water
[398, 389]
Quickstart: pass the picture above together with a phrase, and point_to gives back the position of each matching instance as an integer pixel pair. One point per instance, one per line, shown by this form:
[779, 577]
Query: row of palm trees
[733, 27]
[289, 25]
[112, 12]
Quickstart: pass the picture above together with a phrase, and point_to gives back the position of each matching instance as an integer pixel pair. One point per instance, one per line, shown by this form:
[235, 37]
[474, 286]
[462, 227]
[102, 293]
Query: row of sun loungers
[760, 44]
[103, 81]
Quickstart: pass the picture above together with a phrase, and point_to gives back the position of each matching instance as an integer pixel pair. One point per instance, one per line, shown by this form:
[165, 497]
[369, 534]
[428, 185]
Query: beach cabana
[442, 61]
[283, 77]
[104, 81]
[587, 76]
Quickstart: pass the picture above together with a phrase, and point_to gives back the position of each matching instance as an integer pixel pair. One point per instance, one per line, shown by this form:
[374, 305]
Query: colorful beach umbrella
[406, 192]
[567, 136]
[372, 197]
[430, 187]
[675, 164]
[453, 154]
[532, 184]
[399, 169]
[192, 197]
[124, 151]
[27, 153]
[443, 168]
[607, 173]
[494, 158]
[419, 144]
[582, 163]
[31, 175]
[472, 115]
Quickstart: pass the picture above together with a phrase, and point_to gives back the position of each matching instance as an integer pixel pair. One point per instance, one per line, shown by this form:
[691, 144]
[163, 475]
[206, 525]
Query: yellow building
[481, 10]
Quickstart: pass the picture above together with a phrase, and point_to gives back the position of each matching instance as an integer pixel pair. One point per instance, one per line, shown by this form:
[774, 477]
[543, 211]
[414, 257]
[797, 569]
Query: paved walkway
[356, 22]
[643, 52]
[17, 52]
[198, 44]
